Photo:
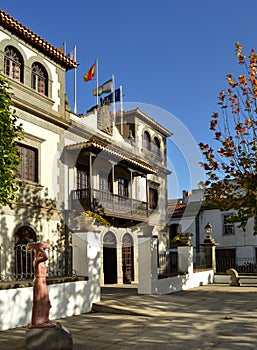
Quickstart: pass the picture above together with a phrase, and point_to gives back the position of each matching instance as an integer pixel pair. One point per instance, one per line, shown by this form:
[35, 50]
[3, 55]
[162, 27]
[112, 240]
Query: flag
[116, 96]
[90, 73]
[72, 54]
[105, 87]
[62, 49]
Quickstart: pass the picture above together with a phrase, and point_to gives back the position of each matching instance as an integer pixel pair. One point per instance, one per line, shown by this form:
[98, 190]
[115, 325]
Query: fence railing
[199, 261]
[242, 265]
[167, 264]
[16, 262]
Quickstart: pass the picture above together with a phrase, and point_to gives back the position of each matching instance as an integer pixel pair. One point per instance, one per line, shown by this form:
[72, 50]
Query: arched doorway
[127, 258]
[110, 258]
[24, 259]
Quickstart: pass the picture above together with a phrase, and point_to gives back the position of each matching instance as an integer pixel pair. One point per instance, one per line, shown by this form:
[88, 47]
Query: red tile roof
[113, 150]
[36, 41]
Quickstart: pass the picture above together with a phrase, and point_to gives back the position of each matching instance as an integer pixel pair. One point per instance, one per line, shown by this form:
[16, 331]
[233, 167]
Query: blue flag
[109, 98]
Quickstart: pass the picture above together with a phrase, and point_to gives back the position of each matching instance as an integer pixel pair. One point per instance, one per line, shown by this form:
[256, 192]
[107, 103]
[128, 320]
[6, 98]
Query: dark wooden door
[110, 258]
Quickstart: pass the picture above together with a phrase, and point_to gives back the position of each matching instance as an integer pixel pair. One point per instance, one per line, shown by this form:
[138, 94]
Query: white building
[72, 163]
[191, 214]
[118, 169]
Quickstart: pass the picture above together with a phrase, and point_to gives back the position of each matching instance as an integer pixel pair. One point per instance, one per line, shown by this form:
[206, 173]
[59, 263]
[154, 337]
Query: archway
[110, 258]
[23, 259]
[127, 258]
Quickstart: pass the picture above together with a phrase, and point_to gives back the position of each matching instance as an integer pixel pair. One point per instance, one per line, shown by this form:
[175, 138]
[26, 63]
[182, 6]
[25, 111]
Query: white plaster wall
[147, 264]
[141, 189]
[49, 156]
[4, 36]
[45, 229]
[149, 283]
[55, 85]
[67, 299]
[183, 282]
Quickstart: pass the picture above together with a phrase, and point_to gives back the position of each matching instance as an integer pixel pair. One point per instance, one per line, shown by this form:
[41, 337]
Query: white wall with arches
[118, 242]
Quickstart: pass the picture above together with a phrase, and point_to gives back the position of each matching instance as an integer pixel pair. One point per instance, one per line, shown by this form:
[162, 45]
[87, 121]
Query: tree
[232, 166]
[10, 133]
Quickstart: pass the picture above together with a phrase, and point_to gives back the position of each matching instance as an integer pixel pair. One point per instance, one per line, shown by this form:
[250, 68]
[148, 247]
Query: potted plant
[183, 238]
[88, 218]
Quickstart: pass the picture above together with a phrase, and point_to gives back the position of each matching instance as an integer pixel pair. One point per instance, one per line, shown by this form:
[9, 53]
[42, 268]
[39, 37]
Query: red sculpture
[41, 302]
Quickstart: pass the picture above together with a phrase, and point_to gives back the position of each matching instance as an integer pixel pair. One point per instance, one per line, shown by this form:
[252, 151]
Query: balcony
[112, 205]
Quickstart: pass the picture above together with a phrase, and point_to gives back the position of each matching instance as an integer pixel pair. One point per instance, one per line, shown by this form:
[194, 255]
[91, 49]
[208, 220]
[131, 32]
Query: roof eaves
[35, 40]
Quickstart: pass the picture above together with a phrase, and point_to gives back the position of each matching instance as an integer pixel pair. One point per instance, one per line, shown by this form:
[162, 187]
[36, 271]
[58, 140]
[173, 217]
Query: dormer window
[39, 79]
[13, 63]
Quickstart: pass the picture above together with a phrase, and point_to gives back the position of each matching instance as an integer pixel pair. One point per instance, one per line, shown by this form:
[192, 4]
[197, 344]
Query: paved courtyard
[208, 317]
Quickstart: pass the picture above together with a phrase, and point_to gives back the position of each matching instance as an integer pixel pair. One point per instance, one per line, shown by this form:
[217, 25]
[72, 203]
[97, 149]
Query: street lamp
[208, 229]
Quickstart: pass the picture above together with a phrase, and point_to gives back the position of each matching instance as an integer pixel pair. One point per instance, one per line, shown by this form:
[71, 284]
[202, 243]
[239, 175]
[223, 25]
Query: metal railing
[16, 262]
[167, 264]
[199, 261]
[111, 203]
[242, 265]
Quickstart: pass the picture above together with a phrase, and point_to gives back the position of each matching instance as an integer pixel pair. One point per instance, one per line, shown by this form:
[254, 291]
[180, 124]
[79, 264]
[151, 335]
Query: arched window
[127, 258]
[147, 141]
[39, 79]
[13, 63]
[110, 240]
[156, 146]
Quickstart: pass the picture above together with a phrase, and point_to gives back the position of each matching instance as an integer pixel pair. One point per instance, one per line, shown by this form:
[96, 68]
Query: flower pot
[86, 224]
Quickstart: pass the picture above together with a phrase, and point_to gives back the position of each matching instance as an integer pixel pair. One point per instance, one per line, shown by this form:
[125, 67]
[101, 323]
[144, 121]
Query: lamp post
[208, 229]
[209, 245]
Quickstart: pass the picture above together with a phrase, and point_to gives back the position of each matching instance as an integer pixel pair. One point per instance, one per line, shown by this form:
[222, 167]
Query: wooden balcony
[112, 205]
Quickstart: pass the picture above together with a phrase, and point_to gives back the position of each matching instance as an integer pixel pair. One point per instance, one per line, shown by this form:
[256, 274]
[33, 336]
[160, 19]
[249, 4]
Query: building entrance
[110, 258]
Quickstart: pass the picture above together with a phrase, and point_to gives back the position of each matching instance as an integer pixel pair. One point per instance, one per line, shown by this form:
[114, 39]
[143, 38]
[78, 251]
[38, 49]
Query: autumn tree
[231, 167]
[10, 133]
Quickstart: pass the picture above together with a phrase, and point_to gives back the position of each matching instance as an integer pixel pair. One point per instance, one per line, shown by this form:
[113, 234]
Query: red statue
[41, 303]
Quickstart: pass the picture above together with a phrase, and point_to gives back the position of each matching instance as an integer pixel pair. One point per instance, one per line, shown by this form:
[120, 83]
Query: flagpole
[121, 111]
[75, 81]
[97, 81]
[113, 97]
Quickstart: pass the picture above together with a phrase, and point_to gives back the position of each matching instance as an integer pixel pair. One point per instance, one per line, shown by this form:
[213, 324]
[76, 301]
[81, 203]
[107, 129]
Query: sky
[170, 56]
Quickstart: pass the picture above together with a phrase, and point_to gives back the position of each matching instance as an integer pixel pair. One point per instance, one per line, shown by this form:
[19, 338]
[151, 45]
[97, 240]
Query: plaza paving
[208, 317]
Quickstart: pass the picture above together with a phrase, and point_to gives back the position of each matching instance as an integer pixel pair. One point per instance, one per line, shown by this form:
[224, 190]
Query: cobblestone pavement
[208, 317]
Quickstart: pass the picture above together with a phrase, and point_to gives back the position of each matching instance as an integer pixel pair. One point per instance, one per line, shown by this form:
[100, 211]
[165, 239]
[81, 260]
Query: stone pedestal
[58, 338]
[209, 246]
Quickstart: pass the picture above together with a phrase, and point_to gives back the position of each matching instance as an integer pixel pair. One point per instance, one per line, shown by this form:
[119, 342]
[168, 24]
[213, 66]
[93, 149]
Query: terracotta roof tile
[36, 41]
[114, 151]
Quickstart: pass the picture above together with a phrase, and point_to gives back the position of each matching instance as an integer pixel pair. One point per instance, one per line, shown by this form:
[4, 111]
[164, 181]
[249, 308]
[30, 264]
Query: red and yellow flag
[90, 73]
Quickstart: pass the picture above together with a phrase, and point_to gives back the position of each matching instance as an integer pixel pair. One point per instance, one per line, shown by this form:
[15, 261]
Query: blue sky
[173, 55]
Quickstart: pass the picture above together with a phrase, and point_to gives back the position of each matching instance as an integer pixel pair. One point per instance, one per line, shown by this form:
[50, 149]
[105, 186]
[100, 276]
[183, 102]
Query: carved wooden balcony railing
[112, 204]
